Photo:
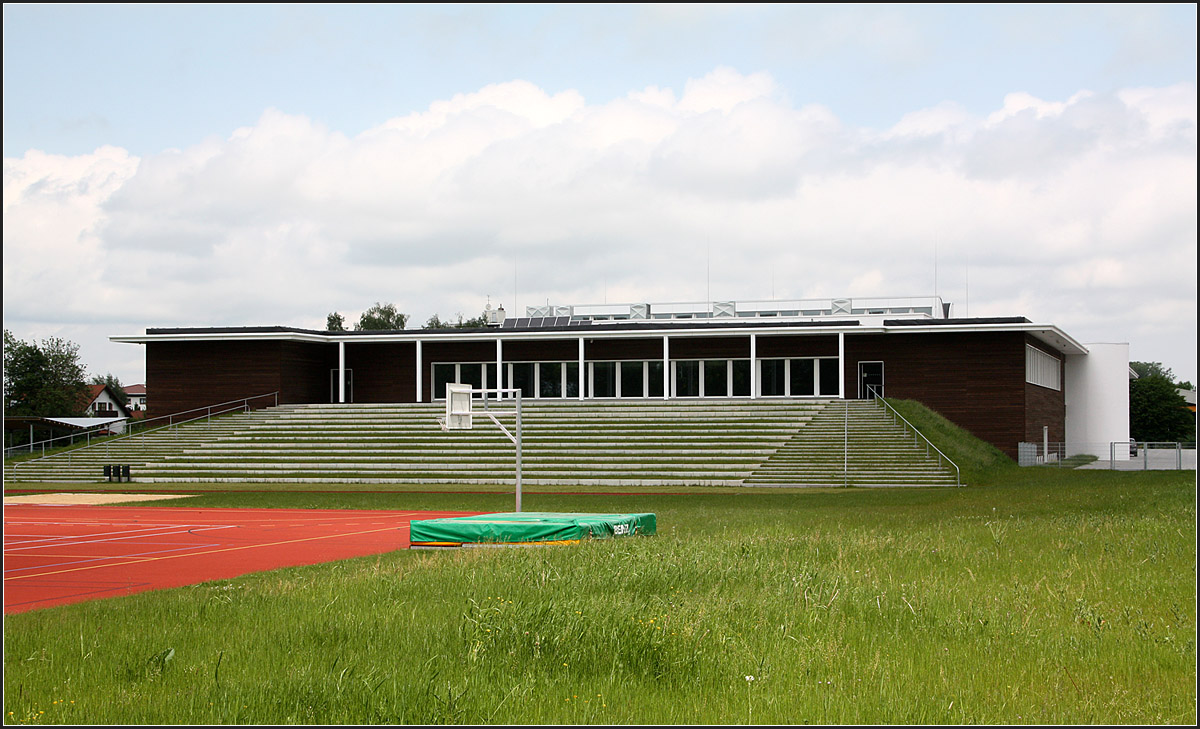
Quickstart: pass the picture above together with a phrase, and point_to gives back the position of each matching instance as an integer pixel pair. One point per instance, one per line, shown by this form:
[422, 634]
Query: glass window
[687, 378]
[522, 377]
[550, 376]
[572, 379]
[716, 378]
[443, 374]
[828, 377]
[771, 381]
[604, 379]
[632, 379]
[490, 369]
[803, 383]
[741, 378]
[471, 374]
[655, 388]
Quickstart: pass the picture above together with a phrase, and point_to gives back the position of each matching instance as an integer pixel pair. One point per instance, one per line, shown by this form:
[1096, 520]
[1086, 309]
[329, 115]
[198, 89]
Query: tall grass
[1061, 597]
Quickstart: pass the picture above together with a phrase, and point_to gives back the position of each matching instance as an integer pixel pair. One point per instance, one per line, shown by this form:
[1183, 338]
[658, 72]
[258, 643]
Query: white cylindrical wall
[1097, 400]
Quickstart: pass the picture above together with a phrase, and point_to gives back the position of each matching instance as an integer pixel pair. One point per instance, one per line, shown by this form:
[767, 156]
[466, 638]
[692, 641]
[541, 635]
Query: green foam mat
[529, 527]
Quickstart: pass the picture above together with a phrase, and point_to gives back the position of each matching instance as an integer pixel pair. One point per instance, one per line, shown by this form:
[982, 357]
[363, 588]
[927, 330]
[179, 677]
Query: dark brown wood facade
[381, 371]
[975, 379]
[187, 375]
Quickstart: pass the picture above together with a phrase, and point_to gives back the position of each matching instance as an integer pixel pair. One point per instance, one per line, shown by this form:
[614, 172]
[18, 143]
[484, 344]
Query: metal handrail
[243, 405]
[871, 389]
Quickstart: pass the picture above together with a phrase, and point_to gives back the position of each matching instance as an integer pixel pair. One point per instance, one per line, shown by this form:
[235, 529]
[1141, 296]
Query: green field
[1048, 596]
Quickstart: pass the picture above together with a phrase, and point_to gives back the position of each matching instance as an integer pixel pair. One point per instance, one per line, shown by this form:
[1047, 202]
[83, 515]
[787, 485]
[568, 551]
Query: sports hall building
[1005, 379]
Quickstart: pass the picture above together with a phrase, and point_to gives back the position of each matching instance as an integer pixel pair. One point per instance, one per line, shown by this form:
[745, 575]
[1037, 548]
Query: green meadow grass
[1045, 596]
[1035, 595]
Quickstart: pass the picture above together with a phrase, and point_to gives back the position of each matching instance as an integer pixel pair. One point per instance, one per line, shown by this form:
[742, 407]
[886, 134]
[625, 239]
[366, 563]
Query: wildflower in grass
[749, 705]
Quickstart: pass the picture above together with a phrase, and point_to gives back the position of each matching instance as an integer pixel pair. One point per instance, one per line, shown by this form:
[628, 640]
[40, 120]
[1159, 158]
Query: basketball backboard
[458, 407]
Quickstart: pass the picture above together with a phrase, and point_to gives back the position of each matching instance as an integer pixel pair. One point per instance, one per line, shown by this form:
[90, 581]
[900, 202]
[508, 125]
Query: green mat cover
[530, 527]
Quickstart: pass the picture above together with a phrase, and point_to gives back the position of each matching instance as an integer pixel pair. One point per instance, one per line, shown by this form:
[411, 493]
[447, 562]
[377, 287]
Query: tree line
[47, 379]
[385, 317]
[1157, 412]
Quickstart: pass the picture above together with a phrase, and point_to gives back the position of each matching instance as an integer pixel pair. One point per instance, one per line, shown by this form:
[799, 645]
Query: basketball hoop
[459, 406]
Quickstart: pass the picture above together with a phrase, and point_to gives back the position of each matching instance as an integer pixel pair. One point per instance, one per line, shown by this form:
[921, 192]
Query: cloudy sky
[259, 165]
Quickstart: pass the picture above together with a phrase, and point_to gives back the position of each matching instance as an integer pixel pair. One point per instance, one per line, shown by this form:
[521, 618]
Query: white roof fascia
[220, 337]
[1047, 333]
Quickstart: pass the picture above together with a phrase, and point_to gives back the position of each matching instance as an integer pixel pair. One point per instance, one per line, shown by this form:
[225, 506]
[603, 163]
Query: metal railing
[1151, 456]
[1110, 455]
[918, 436]
[172, 420]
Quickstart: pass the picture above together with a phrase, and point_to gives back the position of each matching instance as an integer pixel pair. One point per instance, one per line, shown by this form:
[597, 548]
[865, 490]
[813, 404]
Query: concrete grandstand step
[615, 442]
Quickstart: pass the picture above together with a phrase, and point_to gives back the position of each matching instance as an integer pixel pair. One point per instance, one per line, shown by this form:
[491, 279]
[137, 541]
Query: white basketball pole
[517, 440]
[457, 419]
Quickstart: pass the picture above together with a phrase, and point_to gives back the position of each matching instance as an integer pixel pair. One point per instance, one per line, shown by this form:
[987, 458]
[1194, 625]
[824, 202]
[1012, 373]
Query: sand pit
[88, 499]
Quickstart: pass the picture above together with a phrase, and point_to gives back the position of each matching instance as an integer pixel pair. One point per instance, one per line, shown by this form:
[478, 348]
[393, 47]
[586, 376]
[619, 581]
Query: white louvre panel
[1042, 369]
[841, 306]
[639, 311]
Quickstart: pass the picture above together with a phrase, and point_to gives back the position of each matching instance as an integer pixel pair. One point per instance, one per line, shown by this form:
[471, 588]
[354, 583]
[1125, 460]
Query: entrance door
[333, 385]
[870, 380]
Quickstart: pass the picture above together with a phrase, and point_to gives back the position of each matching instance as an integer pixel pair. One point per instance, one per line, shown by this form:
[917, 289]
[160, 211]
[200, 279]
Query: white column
[420, 369]
[666, 367]
[341, 372]
[582, 374]
[841, 365]
[753, 367]
[499, 365]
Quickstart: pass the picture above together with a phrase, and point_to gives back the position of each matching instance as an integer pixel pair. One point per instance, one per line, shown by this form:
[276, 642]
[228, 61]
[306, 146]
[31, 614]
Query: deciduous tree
[381, 317]
[43, 379]
[1157, 412]
[436, 322]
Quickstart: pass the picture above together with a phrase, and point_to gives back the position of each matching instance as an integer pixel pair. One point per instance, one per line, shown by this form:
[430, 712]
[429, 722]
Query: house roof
[135, 390]
[93, 393]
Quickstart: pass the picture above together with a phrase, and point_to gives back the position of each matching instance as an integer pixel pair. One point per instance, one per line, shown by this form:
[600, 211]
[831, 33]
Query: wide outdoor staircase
[853, 443]
[614, 443]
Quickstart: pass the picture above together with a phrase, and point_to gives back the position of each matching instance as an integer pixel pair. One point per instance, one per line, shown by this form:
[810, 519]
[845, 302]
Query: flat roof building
[1005, 379]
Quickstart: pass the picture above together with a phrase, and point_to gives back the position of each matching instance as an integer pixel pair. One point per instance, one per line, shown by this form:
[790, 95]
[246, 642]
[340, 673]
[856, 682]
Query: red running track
[55, 555]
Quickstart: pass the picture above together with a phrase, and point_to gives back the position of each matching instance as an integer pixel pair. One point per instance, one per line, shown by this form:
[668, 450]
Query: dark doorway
[870, 380]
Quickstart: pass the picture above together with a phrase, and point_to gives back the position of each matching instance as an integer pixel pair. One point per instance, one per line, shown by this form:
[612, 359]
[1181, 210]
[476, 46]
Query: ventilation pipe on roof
[494, 317]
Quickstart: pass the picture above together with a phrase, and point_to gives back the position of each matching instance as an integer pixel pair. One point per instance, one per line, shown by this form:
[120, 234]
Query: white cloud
[1075, 211]
[724, 89]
